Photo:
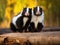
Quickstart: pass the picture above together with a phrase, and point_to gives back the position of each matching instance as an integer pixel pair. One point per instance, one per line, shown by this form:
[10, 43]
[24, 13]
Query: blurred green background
[10, 8]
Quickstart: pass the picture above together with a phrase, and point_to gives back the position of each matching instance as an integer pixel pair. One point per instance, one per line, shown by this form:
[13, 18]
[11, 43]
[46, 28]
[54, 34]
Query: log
[40, 38]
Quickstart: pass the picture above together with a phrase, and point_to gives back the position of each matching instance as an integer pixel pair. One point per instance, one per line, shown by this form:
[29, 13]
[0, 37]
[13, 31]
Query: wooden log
[41, 38]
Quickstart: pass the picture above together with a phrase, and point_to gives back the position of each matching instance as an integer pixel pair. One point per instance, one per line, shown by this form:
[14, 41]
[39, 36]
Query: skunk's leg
[39, 27]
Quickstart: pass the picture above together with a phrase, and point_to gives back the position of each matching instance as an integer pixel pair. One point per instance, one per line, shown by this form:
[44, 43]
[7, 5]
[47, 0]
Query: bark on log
[42, 38]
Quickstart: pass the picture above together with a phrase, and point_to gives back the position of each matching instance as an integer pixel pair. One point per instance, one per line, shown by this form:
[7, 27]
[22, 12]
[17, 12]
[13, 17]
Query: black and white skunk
[37, 21]
[20, 22]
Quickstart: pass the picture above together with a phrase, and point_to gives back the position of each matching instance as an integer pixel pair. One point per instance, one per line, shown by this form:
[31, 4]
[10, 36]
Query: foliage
[10, 8]
[2, 9]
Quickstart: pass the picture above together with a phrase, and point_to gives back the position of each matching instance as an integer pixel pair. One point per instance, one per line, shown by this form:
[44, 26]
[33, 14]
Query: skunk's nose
[37, 12]
[26, 14]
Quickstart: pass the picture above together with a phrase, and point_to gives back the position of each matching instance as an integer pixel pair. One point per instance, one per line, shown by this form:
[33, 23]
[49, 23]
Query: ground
[51, 37]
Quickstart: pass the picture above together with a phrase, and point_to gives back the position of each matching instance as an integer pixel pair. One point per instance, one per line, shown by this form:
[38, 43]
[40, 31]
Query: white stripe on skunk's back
[15, 19]
[25, 19]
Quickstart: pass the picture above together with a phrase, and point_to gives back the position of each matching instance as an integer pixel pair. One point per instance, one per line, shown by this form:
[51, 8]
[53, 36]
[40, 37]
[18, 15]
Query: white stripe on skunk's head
[37, 11]
[27, 12]
[38, 8]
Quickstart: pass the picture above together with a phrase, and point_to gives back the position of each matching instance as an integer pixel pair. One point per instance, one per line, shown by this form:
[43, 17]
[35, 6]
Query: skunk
[37, 21]
[20, 22]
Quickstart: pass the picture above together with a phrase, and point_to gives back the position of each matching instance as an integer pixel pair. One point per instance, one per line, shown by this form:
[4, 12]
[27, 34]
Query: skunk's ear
[41, 10]
[34, 10]
[30, 11]
[24, 10]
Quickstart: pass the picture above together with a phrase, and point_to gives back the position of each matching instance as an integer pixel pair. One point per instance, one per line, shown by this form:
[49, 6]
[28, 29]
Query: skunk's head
[27, 12]
[37, 11]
